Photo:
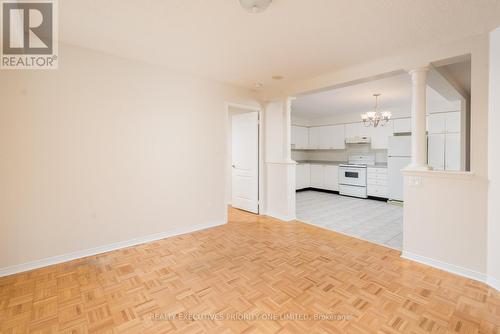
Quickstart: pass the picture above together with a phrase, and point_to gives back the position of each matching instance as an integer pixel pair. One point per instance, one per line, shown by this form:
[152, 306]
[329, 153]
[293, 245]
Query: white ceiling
[295, 38]
[396, 96]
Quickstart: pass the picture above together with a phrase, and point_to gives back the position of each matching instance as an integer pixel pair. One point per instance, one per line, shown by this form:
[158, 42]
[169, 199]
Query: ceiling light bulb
[255, 6]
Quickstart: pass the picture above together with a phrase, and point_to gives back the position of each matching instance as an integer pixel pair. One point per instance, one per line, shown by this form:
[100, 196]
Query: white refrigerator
[399, 156]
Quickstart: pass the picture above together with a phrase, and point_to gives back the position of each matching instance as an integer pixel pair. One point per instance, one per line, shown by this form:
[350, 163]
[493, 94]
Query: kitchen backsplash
[339, 155]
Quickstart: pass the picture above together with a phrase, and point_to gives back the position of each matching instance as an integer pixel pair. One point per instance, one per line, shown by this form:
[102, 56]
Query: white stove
[352, 176]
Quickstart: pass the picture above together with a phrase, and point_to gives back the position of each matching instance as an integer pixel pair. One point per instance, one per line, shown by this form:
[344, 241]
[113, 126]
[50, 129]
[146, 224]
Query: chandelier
[375, 117]
[255, 6]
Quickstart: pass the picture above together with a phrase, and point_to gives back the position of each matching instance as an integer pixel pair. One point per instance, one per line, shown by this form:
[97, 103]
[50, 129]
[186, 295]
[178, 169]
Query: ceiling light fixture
[375, 117]
[255, 6]
[257, 85]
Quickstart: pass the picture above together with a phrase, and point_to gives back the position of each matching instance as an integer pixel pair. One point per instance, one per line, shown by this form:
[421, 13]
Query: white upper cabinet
[332, 137]
[315, 137]
[364, 131]
[352, 130]
[329, 137]
[357, 130]
[380, 136]
[402, 125]
[300, 137]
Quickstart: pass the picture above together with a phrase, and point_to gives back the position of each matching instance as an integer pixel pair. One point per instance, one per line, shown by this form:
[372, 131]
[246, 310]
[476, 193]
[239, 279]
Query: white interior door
[245, 161]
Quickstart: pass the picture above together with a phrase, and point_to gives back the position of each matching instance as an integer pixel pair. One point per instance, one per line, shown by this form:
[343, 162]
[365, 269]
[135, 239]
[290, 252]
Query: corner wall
[104, 151]
[494, 162]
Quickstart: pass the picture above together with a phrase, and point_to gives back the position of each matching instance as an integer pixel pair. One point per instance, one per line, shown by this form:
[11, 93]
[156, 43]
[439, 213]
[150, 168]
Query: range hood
[358, 140]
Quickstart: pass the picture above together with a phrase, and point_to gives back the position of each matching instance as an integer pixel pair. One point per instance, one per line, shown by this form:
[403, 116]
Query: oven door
[353, 176]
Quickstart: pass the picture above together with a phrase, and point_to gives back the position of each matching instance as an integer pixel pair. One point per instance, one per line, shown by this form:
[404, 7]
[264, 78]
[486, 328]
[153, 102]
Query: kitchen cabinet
[329, 137]
[300, 137]
[331, 177]
[364, 131]
[314, 137]
[357, 130]
[444, 141]
[302, 176]
[352, 130]
[449, 122]
[402, 125]
[377, 181]
[380, 136]
[317, 176]
[452, 151]
[436, 123]
[436, 151]
[453, 122]
[332, 137]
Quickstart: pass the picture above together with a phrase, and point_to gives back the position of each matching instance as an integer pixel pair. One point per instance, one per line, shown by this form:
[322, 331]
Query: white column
[418, 118]
[287, 127]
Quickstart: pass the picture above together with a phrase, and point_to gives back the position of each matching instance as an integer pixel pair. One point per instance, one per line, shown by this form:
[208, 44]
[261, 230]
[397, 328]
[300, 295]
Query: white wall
[104, 150]
[494, 162]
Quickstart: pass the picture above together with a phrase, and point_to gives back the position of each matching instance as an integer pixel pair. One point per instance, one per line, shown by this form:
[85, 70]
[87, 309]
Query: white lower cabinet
[324, 177]
[331, 177]
[302, 176]
[377, 182]
[317, 176]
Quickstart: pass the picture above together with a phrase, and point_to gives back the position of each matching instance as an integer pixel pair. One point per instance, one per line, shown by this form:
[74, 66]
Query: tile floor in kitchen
[367, 219]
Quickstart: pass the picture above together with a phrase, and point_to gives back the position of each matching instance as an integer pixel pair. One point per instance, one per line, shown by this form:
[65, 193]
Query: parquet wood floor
[251, 267]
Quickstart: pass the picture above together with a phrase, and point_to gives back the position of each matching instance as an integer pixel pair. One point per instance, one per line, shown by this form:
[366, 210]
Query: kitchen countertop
[321, 162]
[336, 163]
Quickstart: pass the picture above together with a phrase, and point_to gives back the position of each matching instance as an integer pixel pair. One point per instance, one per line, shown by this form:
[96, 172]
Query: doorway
[243, 176]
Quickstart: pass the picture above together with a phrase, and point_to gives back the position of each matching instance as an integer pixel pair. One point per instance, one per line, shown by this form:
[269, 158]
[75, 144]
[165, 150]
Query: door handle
[234, 166]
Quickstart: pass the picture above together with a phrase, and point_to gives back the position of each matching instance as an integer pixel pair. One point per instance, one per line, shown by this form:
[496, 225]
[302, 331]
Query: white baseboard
[280, 217]
[18, 268]
[493, 282]
[451, 268]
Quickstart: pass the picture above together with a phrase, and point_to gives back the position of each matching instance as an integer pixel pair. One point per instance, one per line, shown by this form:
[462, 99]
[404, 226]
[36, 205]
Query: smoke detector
[255, 6]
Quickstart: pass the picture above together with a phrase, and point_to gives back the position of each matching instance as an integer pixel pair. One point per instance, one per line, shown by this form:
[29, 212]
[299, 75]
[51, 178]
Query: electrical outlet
[415, 181]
